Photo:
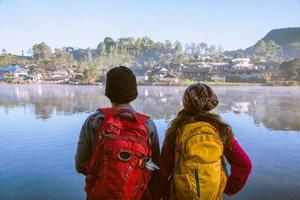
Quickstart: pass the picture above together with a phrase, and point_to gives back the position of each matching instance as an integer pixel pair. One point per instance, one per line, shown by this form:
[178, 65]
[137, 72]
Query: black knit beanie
[121, 85]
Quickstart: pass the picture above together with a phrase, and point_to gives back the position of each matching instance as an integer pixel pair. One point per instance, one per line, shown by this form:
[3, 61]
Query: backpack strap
[109, 112]
[93, 164]
[224, 164]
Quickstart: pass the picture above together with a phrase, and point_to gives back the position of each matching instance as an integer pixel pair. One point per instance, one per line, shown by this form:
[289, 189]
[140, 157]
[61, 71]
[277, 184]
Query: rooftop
[195, 69]
[11, 68]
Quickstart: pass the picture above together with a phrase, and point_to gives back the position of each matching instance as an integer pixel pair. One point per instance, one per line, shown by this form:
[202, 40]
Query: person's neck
[120, 106]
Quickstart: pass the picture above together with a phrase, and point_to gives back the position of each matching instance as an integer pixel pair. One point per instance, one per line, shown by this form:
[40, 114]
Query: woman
[191, 162]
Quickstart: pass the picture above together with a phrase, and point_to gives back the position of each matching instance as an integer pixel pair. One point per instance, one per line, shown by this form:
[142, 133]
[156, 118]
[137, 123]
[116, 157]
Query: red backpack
[116, 170]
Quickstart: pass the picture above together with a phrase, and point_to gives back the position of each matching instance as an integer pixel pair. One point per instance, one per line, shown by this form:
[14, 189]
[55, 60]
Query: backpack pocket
[183, 186]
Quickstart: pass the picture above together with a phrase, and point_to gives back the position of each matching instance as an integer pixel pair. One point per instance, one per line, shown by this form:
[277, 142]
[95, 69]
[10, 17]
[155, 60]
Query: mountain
[287, 38]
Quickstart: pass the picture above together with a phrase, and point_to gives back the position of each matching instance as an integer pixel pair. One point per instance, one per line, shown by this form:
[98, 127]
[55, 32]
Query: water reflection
[40, 125]
[276, 108]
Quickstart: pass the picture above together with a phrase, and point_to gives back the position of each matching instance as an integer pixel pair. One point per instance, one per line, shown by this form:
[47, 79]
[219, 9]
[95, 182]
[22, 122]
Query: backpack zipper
[197, 182]
[194, 134]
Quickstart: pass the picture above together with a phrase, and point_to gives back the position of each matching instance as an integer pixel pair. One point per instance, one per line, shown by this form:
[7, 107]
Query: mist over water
[40, 125]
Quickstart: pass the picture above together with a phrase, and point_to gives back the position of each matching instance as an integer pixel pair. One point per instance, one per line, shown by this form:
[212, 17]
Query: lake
[40, 125]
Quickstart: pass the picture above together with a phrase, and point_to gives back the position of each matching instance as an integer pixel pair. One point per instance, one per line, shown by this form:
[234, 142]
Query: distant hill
[287, 38]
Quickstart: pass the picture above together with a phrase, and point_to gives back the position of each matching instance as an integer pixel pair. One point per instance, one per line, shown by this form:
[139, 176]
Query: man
[118, 147]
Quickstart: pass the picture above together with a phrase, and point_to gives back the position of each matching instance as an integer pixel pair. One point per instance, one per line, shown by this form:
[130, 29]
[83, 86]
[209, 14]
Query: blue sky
[231, 23]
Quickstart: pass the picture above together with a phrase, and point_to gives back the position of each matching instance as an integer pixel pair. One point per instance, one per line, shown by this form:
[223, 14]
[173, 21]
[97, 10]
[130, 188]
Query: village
[228, 70]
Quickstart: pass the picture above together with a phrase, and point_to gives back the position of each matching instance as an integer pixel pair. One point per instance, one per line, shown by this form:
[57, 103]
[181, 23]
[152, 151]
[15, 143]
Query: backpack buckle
[141, 162]
[144, 186]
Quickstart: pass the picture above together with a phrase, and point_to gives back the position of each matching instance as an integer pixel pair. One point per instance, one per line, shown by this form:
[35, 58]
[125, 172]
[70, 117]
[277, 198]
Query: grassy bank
[283, 83]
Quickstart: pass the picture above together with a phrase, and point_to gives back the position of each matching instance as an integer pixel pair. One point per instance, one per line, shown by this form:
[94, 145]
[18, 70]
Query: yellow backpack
[199, 172]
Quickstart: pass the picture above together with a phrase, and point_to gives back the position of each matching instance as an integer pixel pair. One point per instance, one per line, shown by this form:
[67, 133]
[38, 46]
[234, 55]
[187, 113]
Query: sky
[234, 24]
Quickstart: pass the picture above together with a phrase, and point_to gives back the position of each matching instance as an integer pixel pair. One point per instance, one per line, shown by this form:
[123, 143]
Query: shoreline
[221, 84]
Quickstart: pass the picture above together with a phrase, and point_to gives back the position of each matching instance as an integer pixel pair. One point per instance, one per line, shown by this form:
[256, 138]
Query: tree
[148, 44]
[204, 47]
[268, 50]
[212, 50]
[150, 63]
[177, 48]
[101, 49]
[260, 48]
[109, 44]
[91, 74]
[80, 54]
[187, 49]
[30, 52]
[267, 76]
[238, 55]
[168, 46]
[125, 44]
[220, 52]
[63, 57]
[166, 59]
[88, 56]
[255, 59]
[220, 49]
[42, 52]
[274, 52]
[193, 48]
[290, 70]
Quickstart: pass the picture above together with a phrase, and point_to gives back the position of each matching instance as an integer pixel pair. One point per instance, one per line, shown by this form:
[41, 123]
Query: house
[36, 77]
[155, 74]
[265, 64]
[195, 73]
[139, 73]
[242, 63]
[60, 76]
[220, 66]
[163, 71]
[60, 73]
[198, 64]
[76, 78]
[170, 79]
[218, 70]
[13, 71]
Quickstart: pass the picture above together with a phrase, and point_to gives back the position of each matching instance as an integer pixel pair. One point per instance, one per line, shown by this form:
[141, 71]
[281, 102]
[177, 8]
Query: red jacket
[239, 162]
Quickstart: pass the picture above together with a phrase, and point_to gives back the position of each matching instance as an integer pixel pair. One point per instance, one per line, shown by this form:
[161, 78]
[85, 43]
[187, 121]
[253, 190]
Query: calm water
[40, 124]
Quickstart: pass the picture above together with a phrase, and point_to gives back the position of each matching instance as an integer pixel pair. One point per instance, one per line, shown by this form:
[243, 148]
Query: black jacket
[88, 136]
